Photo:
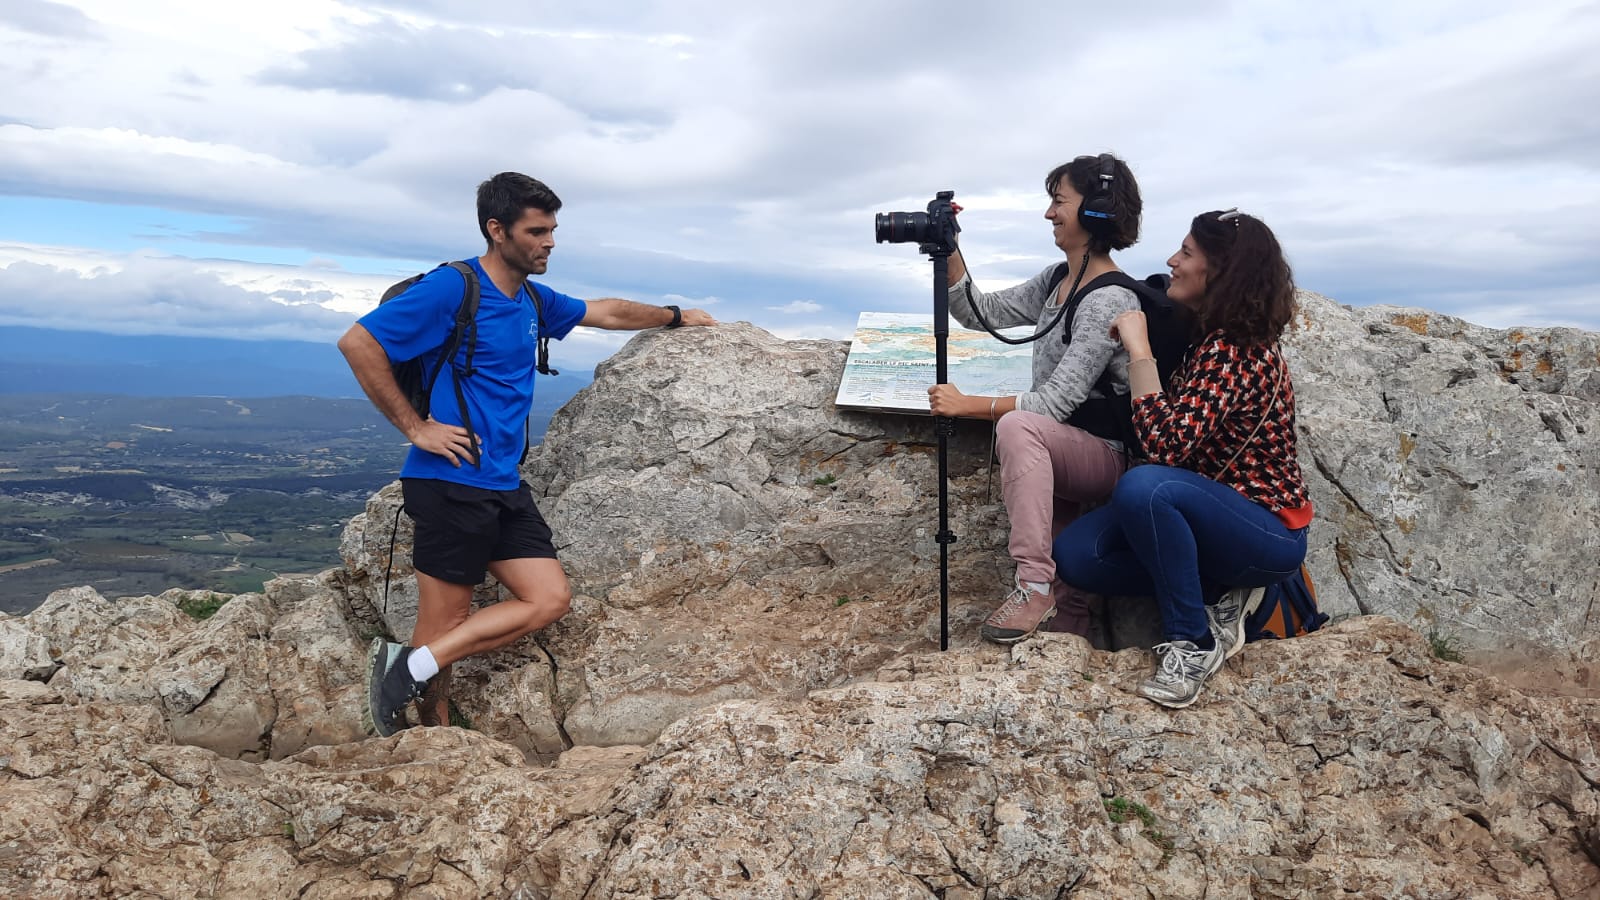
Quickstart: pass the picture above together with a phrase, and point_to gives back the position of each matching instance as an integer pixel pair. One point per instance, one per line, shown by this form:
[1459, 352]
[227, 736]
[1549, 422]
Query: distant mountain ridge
[53, 361]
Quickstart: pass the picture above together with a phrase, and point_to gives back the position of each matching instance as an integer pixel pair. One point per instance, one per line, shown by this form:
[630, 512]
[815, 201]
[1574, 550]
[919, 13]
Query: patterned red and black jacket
[1205, 418]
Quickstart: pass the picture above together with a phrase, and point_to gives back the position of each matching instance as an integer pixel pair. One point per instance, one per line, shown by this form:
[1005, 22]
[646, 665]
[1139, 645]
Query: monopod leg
[944, 427]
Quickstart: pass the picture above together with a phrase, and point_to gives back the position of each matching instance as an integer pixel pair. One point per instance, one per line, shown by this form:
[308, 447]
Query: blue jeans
[1181, 537]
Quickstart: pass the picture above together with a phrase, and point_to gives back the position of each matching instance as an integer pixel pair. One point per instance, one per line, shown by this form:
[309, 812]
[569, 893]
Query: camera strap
[1072, 295]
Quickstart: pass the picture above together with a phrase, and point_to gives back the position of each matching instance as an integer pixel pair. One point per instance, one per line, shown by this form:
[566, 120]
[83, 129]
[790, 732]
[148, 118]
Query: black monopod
[935, 233]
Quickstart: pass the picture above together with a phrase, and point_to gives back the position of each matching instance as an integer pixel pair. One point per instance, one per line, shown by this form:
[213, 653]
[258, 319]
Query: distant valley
[134, 495]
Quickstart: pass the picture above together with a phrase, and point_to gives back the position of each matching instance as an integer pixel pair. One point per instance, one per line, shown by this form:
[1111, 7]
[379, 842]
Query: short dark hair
[506, 196]
[1249, 286]
[1083, 174]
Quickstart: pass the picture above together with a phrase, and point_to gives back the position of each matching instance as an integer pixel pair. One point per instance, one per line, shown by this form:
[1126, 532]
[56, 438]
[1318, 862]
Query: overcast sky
[264, 170]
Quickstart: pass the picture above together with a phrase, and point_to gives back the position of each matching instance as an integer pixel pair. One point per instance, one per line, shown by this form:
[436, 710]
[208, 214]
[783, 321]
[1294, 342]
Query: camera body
[934, 231]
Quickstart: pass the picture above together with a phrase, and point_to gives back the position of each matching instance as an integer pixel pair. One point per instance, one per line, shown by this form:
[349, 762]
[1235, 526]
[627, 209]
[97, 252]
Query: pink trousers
[1050, 474]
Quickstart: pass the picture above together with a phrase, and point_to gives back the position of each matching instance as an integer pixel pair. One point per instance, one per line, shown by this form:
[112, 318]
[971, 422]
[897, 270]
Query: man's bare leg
[540, 594]
[441, 607]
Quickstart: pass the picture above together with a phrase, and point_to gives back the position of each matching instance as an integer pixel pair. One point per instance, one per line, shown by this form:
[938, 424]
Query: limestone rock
[252, 681]
[756, 639]
[731, 534]
[314, 658]
[1347, 762]
[1456, 472]
[23, 653]
[215, 687]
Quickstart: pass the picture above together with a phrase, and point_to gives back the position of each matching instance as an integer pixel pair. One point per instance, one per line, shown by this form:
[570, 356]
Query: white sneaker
[1181, 668]
[1228, 615]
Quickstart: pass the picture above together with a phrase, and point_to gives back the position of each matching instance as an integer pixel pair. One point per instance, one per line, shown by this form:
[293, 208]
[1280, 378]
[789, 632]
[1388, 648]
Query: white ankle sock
[1038, 587]
[422, 664]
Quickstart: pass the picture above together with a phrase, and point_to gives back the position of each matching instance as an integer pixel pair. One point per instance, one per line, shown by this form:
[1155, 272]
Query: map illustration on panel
[891, 363]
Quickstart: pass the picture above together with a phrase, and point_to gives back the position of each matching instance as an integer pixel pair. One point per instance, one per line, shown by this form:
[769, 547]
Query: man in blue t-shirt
[463, 490]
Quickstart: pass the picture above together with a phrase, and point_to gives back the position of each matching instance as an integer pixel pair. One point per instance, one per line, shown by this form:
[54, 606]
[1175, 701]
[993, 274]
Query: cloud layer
[1427, 153]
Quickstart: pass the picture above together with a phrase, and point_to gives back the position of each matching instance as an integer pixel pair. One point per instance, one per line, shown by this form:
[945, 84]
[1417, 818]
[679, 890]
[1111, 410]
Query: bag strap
[1114, 278]
[1276, 385]
[466, 329]
[542, 356]
[541, 360]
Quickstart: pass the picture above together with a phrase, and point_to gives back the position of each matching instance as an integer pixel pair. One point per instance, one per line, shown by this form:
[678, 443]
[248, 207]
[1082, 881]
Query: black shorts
[460, 529]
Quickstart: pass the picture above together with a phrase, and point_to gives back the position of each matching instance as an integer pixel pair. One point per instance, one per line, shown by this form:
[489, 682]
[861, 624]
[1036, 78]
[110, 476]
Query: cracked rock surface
[1456, 473]
[747, 698]
[1347, 762]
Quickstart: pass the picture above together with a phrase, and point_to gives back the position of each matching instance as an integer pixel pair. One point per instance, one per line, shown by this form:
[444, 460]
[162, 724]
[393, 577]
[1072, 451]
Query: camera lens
[901, 227]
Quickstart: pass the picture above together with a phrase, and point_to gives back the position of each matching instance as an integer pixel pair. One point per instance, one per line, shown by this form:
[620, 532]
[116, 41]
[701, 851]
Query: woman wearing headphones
[1050, 466]
[1223, 508]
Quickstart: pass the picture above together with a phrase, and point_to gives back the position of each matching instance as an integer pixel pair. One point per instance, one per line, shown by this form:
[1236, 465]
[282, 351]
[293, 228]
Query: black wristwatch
[677, 316]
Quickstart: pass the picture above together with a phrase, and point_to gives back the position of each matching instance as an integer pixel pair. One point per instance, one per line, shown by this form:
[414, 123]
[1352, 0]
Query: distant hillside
[49, 361]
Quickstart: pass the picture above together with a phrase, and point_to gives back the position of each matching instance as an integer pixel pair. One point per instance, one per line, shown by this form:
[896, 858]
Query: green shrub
[203, 606]
[1444, 647]
[1119, 810]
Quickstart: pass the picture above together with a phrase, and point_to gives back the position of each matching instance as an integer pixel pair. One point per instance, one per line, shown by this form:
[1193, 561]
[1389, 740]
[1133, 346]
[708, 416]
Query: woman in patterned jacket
[1222, 509]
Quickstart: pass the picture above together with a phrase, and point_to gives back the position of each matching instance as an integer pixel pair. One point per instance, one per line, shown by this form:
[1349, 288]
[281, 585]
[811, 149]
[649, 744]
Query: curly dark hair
[1083, 174]
[1249, 286]
[506, 196]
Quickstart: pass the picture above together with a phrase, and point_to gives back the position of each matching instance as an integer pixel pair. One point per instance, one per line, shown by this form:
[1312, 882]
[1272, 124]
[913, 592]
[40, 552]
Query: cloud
[158, 295]
[797, 307]
[47, 19]
[1430, 152]
[690, 302]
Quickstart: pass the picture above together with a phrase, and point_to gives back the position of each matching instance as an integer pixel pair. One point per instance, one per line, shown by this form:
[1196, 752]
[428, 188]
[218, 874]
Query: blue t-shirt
[500, 392]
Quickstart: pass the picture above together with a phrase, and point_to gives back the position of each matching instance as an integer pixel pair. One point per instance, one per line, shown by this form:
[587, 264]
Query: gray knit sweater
[1063, 374]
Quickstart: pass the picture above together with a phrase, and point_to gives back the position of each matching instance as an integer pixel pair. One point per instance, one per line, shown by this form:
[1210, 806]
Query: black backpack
[1171, 337]
[416, 383]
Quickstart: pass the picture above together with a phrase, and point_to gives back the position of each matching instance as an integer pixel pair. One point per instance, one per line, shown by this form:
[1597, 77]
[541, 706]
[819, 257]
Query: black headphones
[1095, 213]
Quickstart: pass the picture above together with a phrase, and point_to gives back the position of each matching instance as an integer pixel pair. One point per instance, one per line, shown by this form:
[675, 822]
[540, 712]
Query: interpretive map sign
[891, 363]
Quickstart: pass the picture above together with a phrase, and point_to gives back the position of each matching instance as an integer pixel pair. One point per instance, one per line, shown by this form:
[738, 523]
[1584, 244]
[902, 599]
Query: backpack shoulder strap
[1057, 275]
[465, 330]
[1116, 278]
[542, 356]
[466, 327]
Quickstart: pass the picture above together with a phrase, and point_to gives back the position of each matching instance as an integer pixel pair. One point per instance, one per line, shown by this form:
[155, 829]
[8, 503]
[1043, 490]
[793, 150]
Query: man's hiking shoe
[1181, 668]
[1020, 615]
[390, 687]
[1228, 615]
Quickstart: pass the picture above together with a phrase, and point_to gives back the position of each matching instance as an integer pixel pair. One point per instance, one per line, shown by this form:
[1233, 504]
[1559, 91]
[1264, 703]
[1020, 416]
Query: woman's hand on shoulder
[1133, 331]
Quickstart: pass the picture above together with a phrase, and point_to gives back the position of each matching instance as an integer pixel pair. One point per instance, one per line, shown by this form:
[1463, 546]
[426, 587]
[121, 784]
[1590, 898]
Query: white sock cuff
[422, 664]
[1038, 587]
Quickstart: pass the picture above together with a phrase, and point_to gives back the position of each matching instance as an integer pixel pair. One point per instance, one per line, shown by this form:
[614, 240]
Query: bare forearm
[995, 408]
[616, 314]
[948, 401]
[370, 365]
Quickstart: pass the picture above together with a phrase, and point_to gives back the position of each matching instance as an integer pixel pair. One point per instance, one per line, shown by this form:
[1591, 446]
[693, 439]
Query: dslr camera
[934, 231]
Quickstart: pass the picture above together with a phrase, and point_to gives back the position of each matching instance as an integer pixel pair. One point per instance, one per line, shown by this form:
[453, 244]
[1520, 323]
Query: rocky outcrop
[730, 534]
[267, 676]
[1456, 470]
[746, 700]
[1350, 762]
